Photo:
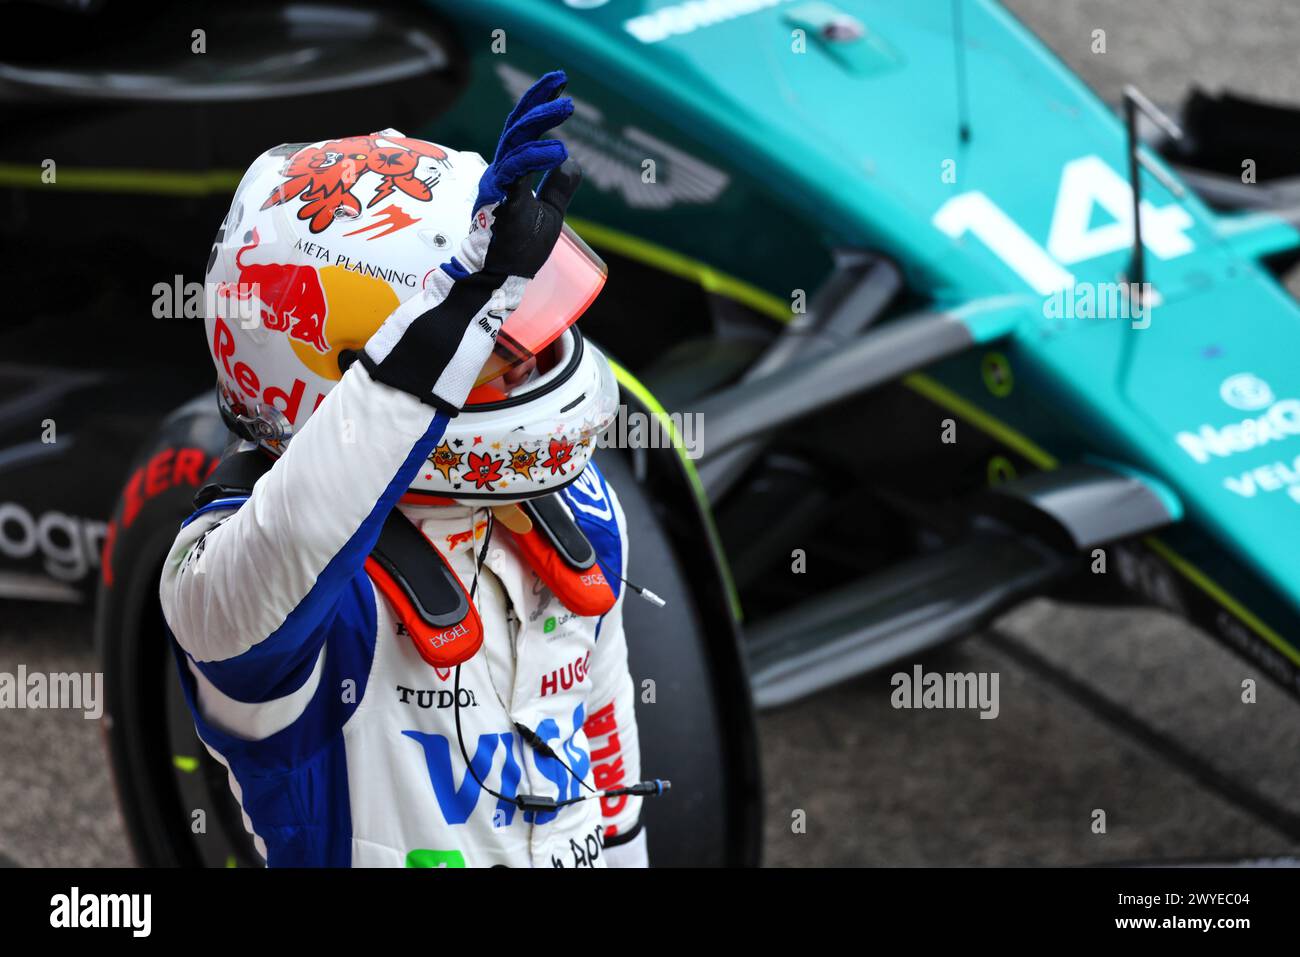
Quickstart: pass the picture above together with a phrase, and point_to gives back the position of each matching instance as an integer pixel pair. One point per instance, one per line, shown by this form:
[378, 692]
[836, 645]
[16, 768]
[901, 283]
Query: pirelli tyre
[693, 708]
[173, 796]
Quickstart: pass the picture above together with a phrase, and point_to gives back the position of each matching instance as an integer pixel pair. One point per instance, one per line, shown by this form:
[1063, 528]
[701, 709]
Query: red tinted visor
[568, 282]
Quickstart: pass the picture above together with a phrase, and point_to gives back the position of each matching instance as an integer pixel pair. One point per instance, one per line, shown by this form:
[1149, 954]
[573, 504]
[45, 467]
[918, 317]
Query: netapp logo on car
[1246, 391]
[1280, 420]
[103, 910]
[688, 17]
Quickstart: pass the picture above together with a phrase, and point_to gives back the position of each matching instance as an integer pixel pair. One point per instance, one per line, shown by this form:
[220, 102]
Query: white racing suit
[339, 738]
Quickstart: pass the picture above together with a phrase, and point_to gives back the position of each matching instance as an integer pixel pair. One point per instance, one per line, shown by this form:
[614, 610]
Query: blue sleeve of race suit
[248, 594]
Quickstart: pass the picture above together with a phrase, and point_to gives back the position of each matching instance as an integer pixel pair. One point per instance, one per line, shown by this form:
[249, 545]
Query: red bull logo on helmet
[292, 299]
[241, 378]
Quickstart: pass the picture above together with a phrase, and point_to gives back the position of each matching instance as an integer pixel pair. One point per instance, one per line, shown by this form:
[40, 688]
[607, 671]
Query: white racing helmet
[323, 241]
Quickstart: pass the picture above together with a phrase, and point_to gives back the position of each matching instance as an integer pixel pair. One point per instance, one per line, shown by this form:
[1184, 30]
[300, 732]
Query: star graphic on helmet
[444, 460]
[522, 462]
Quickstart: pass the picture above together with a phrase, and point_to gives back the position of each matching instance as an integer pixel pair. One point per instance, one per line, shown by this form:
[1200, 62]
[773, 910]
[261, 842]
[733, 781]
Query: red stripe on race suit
[606, 760]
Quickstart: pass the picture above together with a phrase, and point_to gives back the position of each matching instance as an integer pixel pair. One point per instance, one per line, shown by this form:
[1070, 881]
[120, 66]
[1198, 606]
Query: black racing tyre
[699, 733]
[174, 797]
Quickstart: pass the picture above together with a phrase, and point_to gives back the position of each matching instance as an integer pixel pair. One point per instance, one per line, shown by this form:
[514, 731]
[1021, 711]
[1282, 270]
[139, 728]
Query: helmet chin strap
[513, 517]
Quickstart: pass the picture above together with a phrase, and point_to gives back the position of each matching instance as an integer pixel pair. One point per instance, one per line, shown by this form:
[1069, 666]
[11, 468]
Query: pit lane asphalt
[1131, 712]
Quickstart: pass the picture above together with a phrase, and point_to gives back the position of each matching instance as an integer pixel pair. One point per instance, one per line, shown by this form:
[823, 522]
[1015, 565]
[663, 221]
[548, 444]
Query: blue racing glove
[435, 344]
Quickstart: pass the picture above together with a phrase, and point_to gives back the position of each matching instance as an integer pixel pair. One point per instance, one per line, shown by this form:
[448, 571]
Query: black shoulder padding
[236, 475]
[419, 569]
[553, 520]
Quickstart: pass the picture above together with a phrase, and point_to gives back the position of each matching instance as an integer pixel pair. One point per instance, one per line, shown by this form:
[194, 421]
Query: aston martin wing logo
[612, 160]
